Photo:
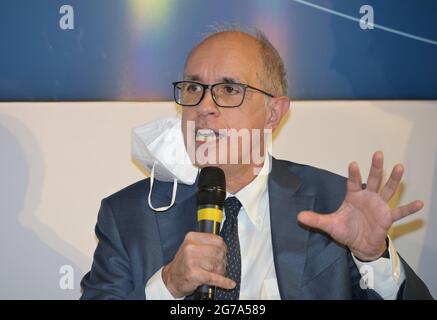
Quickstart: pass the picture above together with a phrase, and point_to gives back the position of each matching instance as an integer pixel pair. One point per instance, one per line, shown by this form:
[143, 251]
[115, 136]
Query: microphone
[211, 195]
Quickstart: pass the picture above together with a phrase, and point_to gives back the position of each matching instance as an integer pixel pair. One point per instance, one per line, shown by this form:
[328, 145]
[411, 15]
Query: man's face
[224, 58]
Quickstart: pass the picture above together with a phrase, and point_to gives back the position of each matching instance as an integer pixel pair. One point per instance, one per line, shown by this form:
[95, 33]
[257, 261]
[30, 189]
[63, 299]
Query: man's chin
[209, 164]
[201, 166]
[224, 166]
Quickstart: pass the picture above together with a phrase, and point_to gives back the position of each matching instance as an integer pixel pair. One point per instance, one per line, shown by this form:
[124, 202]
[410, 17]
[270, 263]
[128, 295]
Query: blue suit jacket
[135, 241]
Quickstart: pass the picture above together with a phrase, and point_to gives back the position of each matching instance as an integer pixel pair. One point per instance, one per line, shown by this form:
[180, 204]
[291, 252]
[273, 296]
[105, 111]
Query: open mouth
[207, 134]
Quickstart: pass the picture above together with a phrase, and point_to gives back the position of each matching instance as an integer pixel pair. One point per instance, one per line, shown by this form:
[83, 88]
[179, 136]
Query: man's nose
[207, 106]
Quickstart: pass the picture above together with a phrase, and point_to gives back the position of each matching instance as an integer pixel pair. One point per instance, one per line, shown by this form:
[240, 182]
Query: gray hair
[274, 77]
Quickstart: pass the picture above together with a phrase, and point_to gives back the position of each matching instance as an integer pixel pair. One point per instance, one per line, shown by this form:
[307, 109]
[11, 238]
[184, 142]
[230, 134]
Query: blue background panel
[134, 49]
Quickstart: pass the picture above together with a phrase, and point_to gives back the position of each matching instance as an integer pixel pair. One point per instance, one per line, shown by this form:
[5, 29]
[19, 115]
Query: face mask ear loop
[149, 198]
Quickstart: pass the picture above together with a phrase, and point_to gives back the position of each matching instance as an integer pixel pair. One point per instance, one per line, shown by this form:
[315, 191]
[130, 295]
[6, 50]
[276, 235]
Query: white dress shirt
[258, 276]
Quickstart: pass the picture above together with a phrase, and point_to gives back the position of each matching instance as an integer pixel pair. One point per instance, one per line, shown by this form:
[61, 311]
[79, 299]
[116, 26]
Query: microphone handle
[209, 219]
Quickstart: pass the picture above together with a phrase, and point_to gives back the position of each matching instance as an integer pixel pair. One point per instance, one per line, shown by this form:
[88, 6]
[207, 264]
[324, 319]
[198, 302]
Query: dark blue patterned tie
[229, 233]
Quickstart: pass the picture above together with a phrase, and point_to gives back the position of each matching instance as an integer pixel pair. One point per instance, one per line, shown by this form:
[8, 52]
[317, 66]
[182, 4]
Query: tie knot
[232, 207]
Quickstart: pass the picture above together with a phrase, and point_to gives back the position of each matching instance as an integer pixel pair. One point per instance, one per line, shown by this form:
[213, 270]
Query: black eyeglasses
[224, 94]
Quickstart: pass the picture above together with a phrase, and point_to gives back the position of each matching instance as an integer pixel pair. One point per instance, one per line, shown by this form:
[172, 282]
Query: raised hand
[364, 218]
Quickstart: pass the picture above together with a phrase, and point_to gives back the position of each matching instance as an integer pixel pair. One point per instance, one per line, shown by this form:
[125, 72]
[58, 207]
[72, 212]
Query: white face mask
[159, 147]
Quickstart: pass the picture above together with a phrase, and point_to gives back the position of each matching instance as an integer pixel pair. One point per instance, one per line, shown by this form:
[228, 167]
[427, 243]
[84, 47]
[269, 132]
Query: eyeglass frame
[211, 88]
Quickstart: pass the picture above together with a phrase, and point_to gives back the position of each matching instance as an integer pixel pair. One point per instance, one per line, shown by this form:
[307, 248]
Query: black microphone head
[212, 176]
[211, 186]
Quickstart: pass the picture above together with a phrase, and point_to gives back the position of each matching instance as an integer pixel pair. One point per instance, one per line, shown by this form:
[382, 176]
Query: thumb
[315, 220]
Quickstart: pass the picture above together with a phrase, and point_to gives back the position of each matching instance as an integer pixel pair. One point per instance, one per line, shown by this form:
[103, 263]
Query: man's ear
[278, 108]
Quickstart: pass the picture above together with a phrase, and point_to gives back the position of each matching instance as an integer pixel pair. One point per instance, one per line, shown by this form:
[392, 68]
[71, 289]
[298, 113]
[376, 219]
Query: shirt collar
[252, 195]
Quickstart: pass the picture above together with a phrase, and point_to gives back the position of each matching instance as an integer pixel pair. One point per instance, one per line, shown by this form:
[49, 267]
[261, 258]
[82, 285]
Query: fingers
[201, 259]
[204, 238]
[405, 210]
[375, 173]
[318, 221]
[216, 280]
[205, 251]
[354, 179]
[375, 177]
[211, 259]
[392, 184]
[211, 252]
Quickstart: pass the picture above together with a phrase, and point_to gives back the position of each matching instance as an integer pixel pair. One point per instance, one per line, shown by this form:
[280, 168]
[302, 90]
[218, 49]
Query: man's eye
[230, 89]
[193, 88]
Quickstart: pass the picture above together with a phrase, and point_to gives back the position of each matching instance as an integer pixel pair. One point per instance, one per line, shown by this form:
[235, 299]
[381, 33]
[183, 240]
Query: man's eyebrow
[192, 77]
[230, 80]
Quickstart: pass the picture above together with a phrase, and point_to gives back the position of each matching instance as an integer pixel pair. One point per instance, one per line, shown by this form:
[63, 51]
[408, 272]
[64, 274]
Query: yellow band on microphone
[213, 214]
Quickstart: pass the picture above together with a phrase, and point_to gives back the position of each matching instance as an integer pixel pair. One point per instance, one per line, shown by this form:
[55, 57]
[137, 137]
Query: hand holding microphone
[201, 258]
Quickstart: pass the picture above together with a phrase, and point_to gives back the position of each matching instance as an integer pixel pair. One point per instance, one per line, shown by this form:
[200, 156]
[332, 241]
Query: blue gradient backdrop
[134, 49]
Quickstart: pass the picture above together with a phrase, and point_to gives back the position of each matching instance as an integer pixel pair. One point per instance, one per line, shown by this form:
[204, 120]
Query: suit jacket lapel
[288, 238]
[176, 222]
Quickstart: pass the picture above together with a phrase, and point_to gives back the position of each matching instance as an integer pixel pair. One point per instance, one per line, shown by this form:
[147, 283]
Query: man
[273, 243]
